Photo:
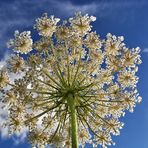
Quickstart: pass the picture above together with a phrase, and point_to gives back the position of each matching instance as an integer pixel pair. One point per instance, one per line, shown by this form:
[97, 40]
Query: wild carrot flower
[46, 26]
[22, 42]
[4, 79]
[74, 82]
[15, 64]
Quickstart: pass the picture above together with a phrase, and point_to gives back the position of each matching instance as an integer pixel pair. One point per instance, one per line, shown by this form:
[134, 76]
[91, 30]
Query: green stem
[73, 120]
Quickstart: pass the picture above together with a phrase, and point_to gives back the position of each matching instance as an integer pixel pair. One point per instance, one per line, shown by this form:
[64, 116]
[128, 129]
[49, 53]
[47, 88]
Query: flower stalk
[71, 100]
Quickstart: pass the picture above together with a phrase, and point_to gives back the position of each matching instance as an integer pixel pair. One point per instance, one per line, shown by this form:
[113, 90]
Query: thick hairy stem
[73, 121]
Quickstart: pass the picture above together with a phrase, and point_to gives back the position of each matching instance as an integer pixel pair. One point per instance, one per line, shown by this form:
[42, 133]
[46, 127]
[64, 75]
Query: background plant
[74, 86]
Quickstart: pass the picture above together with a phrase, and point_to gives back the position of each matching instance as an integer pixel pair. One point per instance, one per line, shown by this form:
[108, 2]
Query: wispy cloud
[145, 50]
[3, 114]
[69, 9]
[21, 14]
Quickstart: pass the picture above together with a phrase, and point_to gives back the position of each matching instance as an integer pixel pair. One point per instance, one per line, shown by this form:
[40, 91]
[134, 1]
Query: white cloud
[3, 114]
[145, 50]
[69, 9]
[21, 14]
[3, 60]
[20, 137]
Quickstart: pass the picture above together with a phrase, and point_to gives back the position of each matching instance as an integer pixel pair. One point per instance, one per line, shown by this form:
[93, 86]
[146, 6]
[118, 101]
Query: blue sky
[120, 17]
